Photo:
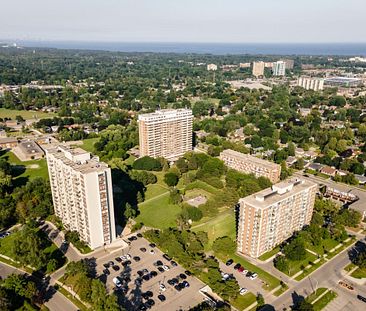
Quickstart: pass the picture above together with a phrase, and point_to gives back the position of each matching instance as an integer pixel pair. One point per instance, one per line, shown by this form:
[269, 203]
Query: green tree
[171, 179]
[129, 211]
[224, 245]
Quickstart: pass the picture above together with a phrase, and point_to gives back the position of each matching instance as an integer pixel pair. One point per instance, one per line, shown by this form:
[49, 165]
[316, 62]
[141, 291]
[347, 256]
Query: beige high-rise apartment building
[248, 164]
[258, 69]
[269, 217]
[82, 194]
[165, 133]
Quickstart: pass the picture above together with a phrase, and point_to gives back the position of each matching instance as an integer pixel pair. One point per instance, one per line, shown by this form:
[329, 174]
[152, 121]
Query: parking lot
[131, 292]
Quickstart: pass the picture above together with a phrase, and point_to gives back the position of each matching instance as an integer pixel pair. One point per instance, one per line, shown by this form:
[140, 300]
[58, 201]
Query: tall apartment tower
[258, 69]
[165, 133]
[279, 68]
[289, 63]
[82, 194]
[269, 217]
[248, 164]
[316, 84]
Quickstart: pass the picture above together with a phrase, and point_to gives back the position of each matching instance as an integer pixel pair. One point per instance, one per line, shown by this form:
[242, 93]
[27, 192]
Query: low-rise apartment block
[82, 194]
[269, 217]
[248, 164]
[316, 84]
[165, 133]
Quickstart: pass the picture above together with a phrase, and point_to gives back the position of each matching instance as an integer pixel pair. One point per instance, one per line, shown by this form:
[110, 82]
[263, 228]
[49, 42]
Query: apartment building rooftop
[165, 113]
[248, 157]
[277, 192]
[78, 159]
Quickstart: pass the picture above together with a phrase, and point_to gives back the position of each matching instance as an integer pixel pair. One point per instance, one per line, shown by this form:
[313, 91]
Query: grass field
[22, 171]
[310, 270]
[9, 113]
[243, 302]
[296, 266]
[157, 212]
[326, 245]
[269, 254]
[88, 144]
[323, 301]
[218, 226]
[359, 273]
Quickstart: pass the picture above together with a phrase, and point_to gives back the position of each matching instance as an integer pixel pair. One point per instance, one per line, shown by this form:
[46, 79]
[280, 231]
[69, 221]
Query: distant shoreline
[331, 49]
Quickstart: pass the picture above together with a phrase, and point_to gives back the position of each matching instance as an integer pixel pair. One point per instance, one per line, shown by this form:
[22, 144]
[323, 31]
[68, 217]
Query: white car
[253, 276]
[243, 291]
[225, 276]
[165, 267]
[128, 256]
[152, 252]
[162, 287]
[117, 282]
[124, 258]
[245, 272]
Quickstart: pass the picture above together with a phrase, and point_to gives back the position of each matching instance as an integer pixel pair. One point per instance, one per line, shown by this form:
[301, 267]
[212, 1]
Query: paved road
[56, 302]
[327, 276]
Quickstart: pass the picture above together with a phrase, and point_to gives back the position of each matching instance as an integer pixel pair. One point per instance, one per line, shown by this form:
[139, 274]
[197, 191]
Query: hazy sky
[185, 20]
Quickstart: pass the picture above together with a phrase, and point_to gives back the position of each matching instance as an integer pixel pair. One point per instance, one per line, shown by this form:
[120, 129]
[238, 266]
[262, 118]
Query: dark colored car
[161, 298]
[143, 249]
[359, 297]
[167, 257]
[188, 272]
[140, 273]
[152, 245]
[146, 277]
[118, 259]
[173, 263]
[138, 281]
[229, 262]
[139, 235]
[161, 269]
[132, 238]
[178, 287]
[115, 268]
[185, 284]
[182, 276]
[145, 270]
[150, 302]
[170, 282]
[106, 265]
[106, 272]
[237, 266]
[136, 258]
[126, 263]
[111, 263]
[158, 263]
[153, 273]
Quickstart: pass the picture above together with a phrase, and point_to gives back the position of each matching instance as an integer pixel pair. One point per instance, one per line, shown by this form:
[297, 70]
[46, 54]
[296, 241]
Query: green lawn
[359, 273]
[158, 212]
[269, 254]
[27, 169]
[310, 270]
[9, 113]
[323, 301]
[154, 190]
[88, 144]
[280, 291]
[270, 282]
[218, 226]
[325, 245]
[243, 302]
[295, 266]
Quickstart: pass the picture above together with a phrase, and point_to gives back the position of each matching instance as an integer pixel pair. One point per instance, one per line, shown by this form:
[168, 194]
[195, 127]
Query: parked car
[188, 272]
[139, 235]
[115, 267]
[153, 273]
[117, 282]
[185, 284]
[158, 263]
[136, 258]
[106, 272]
[152, 245]
[161, 269]
[143, 249]
[166, 268]
[161, 298]
[253, 276]
[150, 302]
[237, 266]
[182, 276]
[162, 287]
[359, 297]
[118, 259]
[173, 263]
[229, 262]
[243, 291]
[241, 269]
[152, 252]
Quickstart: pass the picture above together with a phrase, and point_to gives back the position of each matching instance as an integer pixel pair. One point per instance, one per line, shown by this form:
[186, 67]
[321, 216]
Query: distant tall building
[258, 69]
[269, 217]
[248, 164]
[165, 133]
[316, 84]
[211, 67]
[244, 65]
[82, 194]
[289, 63]
[268, 64]
[279, 68]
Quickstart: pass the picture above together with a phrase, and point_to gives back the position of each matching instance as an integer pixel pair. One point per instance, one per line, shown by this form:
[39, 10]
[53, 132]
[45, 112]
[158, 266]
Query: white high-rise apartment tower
[269, 217]
[82, 194]
[165, 133]
[279, 68]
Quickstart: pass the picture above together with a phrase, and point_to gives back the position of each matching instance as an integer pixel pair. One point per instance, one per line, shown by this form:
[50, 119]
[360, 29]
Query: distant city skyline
[230, 21]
